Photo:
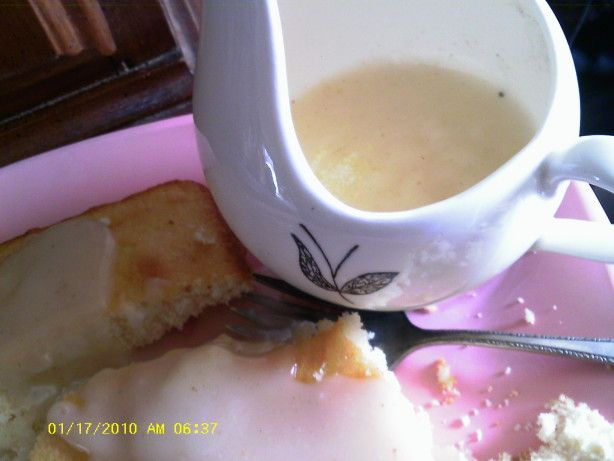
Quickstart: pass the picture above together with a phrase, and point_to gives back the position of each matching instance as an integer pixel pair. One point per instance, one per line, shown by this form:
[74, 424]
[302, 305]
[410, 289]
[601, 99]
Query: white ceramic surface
[273, 202]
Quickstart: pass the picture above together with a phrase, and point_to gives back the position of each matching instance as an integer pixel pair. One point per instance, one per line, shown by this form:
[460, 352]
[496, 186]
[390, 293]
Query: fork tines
[272, 317]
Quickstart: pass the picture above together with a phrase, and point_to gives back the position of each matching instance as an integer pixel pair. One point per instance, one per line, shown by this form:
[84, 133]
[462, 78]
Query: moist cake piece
[76, 296]
[571, 432]
[328, 395]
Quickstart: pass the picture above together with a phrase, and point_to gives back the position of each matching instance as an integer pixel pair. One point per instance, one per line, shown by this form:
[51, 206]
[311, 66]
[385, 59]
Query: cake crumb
[555, 307]
[479, 315]
[529, 316]
[447, 381]
[464, 421]
[477, 436]
[507, 371]
[520, 300]
[514, 393]
[487, 403]
[474, 412]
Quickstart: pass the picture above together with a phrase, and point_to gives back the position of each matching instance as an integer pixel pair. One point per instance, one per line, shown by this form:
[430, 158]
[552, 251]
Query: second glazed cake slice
[76, 295]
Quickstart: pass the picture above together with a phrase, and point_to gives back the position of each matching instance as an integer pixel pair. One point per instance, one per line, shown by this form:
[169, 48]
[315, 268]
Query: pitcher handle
[590, 159]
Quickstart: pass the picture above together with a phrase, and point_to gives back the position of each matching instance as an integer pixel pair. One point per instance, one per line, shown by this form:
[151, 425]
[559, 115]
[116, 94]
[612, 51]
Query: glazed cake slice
[328, 395]
[76, 296]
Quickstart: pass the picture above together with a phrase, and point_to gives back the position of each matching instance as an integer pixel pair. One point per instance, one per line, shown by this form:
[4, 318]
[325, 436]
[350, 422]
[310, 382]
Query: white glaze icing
[262, 412]
[51, 292]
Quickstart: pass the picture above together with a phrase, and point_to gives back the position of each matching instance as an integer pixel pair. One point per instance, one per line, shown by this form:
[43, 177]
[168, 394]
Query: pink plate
[66, 181]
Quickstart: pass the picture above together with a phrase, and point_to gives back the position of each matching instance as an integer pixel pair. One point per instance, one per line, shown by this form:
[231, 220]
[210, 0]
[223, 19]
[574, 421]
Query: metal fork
[271, 318]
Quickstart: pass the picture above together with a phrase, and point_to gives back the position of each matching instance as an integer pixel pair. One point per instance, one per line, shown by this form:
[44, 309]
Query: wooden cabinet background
[71, 69]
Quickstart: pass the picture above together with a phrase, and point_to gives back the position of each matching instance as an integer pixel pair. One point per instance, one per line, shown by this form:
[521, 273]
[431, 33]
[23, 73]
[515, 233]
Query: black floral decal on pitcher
[363, 284]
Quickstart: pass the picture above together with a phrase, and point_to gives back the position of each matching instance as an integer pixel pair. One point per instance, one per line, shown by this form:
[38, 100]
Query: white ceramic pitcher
[255, 55]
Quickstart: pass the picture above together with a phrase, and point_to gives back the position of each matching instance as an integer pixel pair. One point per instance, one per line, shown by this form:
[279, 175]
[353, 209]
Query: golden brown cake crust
[175, 255]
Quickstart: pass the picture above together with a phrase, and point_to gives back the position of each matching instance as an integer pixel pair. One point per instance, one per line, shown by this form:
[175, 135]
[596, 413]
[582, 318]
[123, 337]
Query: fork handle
[595, 349]
[399, 332]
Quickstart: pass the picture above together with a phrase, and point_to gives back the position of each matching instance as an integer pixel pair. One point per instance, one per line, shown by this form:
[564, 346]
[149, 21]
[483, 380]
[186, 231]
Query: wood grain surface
[72, 69]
